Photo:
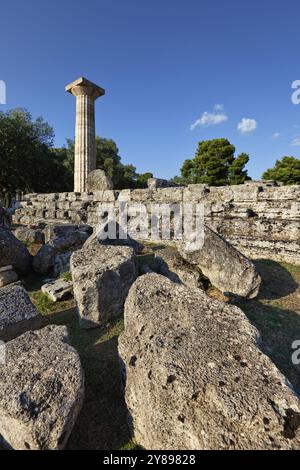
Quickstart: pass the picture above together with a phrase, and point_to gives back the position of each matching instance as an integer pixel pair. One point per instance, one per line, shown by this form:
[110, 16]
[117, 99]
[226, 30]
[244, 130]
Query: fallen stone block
[224, 265]
[7, 277]
[102, 277]
[122, 239]
[59, 289]
[45, 259]
[41, 390]
[173, 266]
[30, 235]
[13, 252]
[196, 377]
[98, 180]
[17, 313]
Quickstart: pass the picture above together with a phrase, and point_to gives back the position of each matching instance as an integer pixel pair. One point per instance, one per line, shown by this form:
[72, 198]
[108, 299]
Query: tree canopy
[29, 163]
[109, 160]
[286, 170]
[214, 164]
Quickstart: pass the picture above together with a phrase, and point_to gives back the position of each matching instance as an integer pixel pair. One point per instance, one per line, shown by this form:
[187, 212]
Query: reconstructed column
[86, 93]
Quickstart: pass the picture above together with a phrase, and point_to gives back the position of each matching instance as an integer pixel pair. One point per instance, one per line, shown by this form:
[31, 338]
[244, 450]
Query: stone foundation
[261, 219]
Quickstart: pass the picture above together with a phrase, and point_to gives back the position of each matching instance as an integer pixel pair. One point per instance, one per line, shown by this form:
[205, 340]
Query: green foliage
[141, 181]
[27, 161]
[215, 164]
[286, 170]
[43, 303]
[67, 276]
[109, 160]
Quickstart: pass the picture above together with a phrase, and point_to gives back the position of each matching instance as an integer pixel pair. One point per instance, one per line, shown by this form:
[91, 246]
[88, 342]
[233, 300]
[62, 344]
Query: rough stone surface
[98, 180]
[59, 289]
[195, 376]
[46, 256]
[102, 277]
[154, 183]
[13, 252]
[261, 219]
[172, 265]
[53, 231]
[224, 265]
[29, 234]
[86, 93]
[17, 313]
[7, 277]
[41, 390]
[96, 239]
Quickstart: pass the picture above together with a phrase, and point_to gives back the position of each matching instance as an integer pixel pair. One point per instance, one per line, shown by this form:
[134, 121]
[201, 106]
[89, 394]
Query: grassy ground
[102, 422]
[276, 314]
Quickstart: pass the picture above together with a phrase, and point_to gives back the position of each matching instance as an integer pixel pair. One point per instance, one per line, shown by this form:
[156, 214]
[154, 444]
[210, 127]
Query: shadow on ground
[102, 423]
[276, 314]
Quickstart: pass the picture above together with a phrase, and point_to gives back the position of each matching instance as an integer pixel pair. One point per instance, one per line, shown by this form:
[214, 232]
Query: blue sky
[163, 63]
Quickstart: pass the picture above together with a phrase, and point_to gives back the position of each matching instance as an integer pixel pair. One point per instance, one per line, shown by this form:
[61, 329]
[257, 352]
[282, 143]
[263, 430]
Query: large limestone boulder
[13, 252]
[98, 180]
[17, 313]
[41, 390]
[173, 266]
[102, 277]
[195, 376]
[45, 259]
[224, 265]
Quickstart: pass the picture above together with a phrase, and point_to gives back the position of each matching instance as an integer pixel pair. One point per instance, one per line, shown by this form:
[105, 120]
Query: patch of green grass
[26, 243]
[102, 423]
[67, 276]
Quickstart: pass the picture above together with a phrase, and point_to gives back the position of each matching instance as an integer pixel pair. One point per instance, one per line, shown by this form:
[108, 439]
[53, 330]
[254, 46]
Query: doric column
[86, 93]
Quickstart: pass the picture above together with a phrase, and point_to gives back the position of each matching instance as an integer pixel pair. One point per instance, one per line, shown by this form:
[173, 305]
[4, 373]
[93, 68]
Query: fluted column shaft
[85, 141]
[86, 93]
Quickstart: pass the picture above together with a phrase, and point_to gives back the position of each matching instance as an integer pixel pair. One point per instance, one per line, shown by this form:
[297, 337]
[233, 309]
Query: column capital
[82, 86]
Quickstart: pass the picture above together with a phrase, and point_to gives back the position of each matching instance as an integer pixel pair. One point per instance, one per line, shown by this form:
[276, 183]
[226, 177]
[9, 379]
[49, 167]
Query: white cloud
[276, 135]
[246, 125]
[218, 107]
[211, 119]
[296, 142]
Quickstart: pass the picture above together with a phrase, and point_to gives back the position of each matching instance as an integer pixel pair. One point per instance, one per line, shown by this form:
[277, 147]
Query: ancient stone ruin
[192, 369]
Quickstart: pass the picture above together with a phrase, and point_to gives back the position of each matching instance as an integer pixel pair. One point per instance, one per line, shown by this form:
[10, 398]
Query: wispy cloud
[246, 125]
[211, 119]
[276, 135]
[296, 142]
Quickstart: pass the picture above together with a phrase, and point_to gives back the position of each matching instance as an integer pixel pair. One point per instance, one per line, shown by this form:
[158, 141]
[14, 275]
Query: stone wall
[261, 219]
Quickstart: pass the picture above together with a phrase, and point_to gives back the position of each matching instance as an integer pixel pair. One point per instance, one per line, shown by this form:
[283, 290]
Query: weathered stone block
[196, 377]
[17, 313]
[102, 276]
[41, 390]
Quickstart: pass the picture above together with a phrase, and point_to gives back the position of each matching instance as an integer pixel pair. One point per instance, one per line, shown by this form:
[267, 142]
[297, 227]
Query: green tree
[27, 161]
[141, 181]
[109, 160]
[286, 170]
[215, 164]
[237, 173]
